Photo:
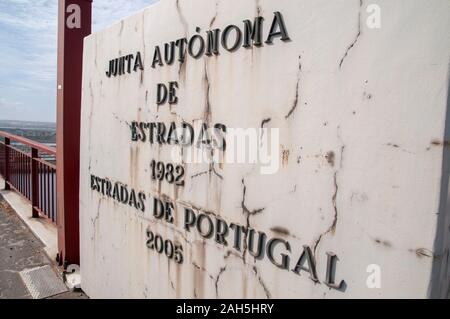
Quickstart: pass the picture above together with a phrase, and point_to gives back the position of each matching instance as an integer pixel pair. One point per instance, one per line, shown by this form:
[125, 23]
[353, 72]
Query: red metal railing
[29, 168]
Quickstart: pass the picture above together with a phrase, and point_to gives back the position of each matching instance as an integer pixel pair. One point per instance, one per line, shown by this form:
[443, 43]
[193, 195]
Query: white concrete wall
[361, 114]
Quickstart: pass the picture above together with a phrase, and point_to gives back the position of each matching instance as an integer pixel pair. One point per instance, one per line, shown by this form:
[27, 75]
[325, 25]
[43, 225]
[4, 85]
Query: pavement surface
[20, 250]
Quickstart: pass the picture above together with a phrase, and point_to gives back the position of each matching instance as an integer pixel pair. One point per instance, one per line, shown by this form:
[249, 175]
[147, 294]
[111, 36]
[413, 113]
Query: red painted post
[7, 143]
[74, 24]
[34, 183]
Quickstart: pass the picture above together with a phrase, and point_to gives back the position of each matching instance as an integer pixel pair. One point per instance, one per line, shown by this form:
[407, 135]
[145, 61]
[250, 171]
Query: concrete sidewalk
[25, 269]
[42, 228]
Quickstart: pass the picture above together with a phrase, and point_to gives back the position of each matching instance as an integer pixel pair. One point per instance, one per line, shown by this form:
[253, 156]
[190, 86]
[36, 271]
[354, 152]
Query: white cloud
[28, 51]
[10, 106]
[34, 47]
[107, 12]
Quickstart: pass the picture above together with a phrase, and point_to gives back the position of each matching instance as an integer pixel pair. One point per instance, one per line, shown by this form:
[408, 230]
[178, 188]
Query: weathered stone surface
[363, 152]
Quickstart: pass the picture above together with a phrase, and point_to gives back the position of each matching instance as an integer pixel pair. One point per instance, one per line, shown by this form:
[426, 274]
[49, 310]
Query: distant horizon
[29, 121]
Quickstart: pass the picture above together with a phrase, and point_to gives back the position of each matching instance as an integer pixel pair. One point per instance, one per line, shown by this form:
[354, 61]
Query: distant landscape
[42, 132]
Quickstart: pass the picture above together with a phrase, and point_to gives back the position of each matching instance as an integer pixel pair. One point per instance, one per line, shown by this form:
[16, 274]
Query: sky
[28, 44]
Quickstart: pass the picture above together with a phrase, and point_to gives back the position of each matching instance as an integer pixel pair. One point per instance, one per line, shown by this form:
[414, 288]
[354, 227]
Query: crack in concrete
[231, 253]
[244, 207]
[216, 282]
[186, 28]
[207, 115]
[143, 50]
[177, 115]
[120, 120]
[248, 213]
[398, 147]
[211, 169]
[336, 189]
[295, 103]
[264, 122]
[263, 285]
[202, 269]
[207, 112]
[332, 227]
[342, 156]
[181, 67]
[358, 34]
[200, 174]
[97, 216]
[215, 15]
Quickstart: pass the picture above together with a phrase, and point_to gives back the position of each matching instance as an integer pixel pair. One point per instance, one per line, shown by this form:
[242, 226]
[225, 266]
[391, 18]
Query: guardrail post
[70, 62]
[7, 143]
[34, 183]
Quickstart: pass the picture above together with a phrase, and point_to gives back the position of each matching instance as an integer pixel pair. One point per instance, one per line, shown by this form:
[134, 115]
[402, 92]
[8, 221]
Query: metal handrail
[28, 174]
[25, 141]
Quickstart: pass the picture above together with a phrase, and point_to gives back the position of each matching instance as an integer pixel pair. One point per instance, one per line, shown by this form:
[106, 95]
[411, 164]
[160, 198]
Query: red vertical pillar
[74, 24]
[34, 183]
[7, 166]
